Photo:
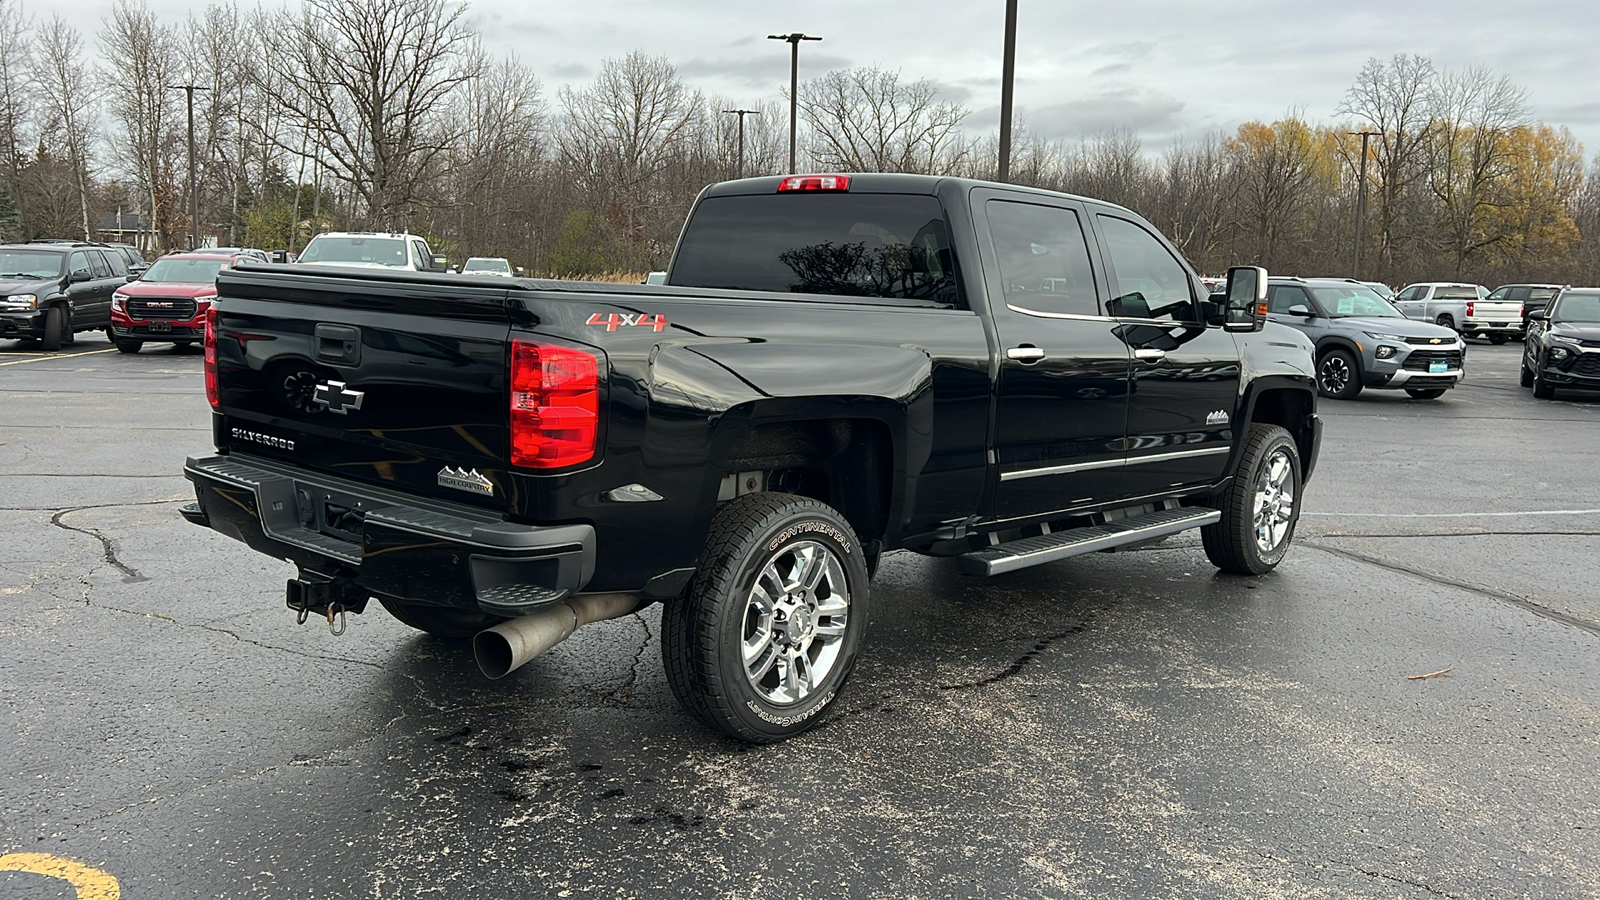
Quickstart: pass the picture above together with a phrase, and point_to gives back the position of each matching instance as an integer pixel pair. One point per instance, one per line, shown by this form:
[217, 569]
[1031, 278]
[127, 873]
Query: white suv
[488, 265]
[372, 249]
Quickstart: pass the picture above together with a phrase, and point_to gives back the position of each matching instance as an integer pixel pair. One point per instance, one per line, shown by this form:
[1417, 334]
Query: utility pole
[741, 113]
[1008, 67]
[1361, 200]
[194, 184]
[794, 40]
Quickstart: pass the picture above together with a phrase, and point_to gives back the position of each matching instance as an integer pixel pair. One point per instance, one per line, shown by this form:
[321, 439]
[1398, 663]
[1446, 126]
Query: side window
[118, 263]
[1044, 258]
[97, 264]
[78, 262]
[1282, 296]
[422, 258]
[1500, 294]
[1520, 293]
[1150, 282]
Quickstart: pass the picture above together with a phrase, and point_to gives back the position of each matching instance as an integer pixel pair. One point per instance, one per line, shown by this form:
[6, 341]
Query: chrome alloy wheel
[1333, 375]
[1274, 501]
[794, 622]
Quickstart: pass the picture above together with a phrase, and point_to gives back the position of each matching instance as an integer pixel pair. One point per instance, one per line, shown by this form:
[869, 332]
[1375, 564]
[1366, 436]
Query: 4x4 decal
[612, 320]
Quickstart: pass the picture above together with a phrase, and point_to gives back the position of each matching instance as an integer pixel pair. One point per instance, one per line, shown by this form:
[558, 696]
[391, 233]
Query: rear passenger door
[1061, 404]
[1184, 385]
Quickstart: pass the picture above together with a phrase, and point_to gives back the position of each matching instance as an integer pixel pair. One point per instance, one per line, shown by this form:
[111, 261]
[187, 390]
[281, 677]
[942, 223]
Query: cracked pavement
[1120, 725]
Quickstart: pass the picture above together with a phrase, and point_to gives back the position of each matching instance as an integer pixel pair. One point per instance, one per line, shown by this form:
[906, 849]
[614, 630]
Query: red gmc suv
[168, 302]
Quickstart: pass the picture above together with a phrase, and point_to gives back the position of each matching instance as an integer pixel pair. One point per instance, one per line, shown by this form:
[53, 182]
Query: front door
[1183, 404]
[1062, 396]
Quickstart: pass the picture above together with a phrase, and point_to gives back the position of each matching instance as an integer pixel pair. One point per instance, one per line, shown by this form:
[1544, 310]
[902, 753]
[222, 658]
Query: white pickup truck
[1463, 307]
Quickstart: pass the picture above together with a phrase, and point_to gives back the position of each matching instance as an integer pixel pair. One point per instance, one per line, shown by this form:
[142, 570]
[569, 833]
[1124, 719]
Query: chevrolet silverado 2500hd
[836, 366]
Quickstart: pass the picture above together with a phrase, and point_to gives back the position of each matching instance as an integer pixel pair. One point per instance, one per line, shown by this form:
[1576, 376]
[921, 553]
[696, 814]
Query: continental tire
[766, 635]
[1260, 507]
[447, 622]
[1541, 388]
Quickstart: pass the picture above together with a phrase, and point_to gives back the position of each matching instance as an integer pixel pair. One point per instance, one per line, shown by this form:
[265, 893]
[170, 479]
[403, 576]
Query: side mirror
[79, 276]
[1247, 299]
[1215, 309]
[133, 276]
[519, 271]
[1300, 309]
[1540, 316]
[440, 263]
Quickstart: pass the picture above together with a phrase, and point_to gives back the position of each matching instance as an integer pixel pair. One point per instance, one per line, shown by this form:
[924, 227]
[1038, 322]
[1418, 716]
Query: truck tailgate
[401, 384]
[1496, 310]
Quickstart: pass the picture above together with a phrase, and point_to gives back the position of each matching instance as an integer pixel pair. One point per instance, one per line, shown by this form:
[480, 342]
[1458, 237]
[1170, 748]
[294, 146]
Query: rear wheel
[768, 631]
[1337, 375]
[448, 622]
[1446, 320]
[128, 346]
[1426, 393]
[1260, 506]
[53, 321]
[1497, 339]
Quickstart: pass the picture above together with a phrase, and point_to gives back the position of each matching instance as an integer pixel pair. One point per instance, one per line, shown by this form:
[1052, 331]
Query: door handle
[1026, 353]
[1149, 355]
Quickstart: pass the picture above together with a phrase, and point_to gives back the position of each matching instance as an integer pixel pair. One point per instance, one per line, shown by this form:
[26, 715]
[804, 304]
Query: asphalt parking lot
[1120, 725]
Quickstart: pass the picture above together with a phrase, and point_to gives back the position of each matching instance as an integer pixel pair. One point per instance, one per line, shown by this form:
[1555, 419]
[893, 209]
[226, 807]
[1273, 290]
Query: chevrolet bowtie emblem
[337, 398]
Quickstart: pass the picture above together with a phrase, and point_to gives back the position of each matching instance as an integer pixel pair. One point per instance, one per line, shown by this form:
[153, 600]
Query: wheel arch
[1292, 406]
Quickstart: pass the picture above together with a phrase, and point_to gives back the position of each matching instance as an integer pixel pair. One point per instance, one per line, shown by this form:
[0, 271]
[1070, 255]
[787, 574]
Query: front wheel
[767, 633]
[1259, 508]
[1337, 375]
[1527, 374]
[54, 321]
[128, 346]
[1541, 388]
[448, 622]
[1426, 393]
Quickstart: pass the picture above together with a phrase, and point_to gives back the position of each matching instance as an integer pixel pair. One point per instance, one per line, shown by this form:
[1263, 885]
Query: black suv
[1562, 349]
[50, 290]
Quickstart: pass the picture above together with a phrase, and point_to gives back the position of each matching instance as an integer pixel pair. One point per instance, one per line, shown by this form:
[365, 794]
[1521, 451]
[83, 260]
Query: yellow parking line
[18, 362]
[90, 884]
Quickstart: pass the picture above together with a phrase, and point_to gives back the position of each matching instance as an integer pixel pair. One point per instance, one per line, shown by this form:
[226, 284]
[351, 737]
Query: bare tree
[373, 80]
[144, 58]
[1274, 168]
[16, 98]
[62, 77]
[1395, 98]
[621, 133]
[867, 120]
[1468, 154]
[501, 117]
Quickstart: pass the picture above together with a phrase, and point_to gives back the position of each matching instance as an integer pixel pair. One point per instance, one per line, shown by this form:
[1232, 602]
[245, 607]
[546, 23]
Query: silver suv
[1362, 341]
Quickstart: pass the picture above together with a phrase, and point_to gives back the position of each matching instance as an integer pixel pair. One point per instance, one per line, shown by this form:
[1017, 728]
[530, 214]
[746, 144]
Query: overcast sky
[1163, 69]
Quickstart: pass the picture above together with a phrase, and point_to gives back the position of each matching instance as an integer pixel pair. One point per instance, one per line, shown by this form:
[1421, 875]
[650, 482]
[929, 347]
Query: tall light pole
[194, 185]
[794, 40]
[741, 113]
[1361, 200]
[1008, 66]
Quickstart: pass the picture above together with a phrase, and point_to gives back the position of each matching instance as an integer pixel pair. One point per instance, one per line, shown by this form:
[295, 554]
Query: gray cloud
[1137, 109]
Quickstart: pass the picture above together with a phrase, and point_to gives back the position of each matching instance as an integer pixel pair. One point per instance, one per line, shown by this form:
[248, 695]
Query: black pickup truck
[837, 366]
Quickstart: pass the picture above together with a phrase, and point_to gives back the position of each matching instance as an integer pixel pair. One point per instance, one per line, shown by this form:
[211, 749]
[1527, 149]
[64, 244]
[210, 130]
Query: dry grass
[615, 276]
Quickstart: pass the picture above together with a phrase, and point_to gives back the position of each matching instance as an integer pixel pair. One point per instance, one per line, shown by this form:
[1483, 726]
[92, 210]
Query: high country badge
[466, 480]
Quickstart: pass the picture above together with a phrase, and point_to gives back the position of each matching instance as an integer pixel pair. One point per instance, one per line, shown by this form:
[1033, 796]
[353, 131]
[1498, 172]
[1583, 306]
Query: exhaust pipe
[504, 648]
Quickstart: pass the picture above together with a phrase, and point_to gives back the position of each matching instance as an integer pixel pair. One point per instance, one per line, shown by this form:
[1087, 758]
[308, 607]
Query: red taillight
[555, 405]
[815, 183]
[211, 356]
[1470, 305]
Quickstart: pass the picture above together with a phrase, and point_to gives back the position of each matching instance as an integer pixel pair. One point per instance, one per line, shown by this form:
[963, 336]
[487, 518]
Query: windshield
[1355, 300]
[183, 271]
[371, 251]
[1577, 308]
[486, 265]
[29, 264]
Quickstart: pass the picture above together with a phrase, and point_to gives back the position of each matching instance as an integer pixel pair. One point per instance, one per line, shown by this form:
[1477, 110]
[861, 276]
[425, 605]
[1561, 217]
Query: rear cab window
[845, 244]
[1449, 292]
